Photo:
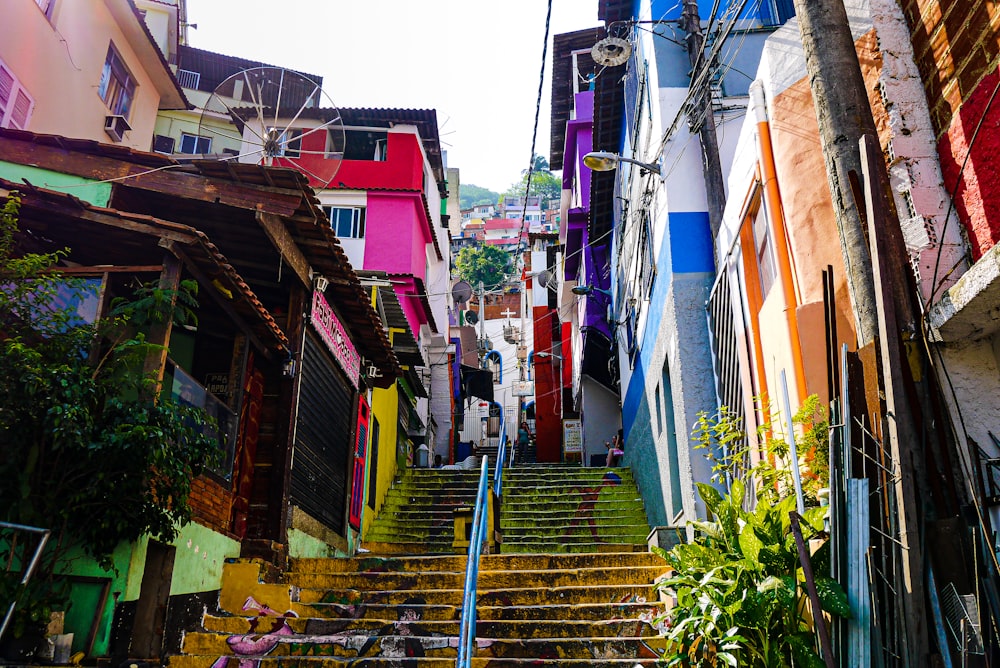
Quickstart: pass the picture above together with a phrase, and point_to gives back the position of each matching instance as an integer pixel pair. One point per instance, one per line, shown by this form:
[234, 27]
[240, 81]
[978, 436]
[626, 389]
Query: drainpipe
[772, 197]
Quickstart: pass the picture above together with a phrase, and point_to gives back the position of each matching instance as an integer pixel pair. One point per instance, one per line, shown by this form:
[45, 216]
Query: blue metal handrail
[467, 629]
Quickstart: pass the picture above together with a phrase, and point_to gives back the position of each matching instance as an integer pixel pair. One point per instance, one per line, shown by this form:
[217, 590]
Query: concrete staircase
[584, 609]
[571, 509]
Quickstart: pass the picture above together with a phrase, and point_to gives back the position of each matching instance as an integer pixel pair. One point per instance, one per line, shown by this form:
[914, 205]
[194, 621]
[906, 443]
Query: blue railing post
[467, 628]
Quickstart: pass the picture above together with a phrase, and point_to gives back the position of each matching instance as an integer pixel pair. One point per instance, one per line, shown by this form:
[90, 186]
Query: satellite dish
[273, 116]
[547, 279]
[471, 317]
[461, 292]
[611, 51]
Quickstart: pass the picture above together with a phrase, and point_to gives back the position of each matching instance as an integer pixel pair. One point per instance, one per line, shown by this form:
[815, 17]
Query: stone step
[580, 611]
[487, 562]
[557, 627]
[632, 518]
[540, 495]
[568, 504]
[567, 548]
[582, 532]
[354, 645]
[374, 581]
[510, 596]
[403, 548]
[414, 661]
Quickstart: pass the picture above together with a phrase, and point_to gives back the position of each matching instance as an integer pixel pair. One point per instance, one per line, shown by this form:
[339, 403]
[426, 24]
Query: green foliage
[484, 263]
[87, 449]
[724, 440]
[543, 183]
[470, 195]
[740, 595]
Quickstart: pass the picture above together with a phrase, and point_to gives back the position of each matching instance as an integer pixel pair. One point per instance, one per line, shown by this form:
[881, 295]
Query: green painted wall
[198, 561]
[88, 190]
[84, 596]
[303, 546]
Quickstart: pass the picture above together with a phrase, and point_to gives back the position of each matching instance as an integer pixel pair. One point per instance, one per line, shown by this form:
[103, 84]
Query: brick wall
[956, 48]
[211, 503]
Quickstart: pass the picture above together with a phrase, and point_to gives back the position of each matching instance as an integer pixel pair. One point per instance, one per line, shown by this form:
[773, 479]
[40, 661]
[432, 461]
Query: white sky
[475, 61]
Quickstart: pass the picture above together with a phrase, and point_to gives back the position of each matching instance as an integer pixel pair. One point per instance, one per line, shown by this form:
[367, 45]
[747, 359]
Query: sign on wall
[572, 437]
[335, 337]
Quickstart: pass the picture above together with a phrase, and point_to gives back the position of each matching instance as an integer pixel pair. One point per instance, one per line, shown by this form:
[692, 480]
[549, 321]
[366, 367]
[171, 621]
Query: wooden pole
[844, 115]
[702, 120]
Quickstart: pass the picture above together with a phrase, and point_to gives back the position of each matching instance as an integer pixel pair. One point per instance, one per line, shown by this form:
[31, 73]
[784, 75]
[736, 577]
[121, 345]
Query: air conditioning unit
[116, 126]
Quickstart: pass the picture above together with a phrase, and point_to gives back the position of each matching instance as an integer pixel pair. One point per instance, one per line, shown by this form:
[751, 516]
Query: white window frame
[197, 139]
[117, 86]
[357, 230]
[12, 92]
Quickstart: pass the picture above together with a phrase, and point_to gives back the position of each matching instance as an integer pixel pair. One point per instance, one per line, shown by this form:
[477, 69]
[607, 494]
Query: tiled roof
[215, 68]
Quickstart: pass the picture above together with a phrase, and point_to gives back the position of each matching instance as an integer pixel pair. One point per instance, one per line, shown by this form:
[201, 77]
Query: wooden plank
[275, 229]
[159, 333]
[901, 433]
[280, 201]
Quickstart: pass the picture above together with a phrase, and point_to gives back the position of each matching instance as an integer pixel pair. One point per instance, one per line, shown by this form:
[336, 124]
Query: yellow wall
[385, 409]
[63, 77]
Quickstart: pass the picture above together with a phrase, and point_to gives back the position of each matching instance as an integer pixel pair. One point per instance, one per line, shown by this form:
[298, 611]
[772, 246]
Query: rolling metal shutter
[322, 437]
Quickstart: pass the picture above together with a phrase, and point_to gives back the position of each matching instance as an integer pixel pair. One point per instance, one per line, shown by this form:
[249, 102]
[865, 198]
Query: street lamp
[603, 161]
[544, 355]
[588, 289]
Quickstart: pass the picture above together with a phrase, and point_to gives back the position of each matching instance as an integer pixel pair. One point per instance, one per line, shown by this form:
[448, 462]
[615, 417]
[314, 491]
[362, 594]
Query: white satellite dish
[611, 51]
[276, 117]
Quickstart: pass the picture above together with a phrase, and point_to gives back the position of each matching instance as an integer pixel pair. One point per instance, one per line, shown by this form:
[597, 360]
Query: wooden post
[159, 333]
[900, 427]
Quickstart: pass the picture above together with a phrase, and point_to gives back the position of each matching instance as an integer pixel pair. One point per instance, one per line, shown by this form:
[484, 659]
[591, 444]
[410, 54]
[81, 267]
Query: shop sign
[335, 337]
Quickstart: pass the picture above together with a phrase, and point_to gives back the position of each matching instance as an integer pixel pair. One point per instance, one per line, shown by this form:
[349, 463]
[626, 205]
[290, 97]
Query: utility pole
[844, 115]
[883, 301]
[702, 118]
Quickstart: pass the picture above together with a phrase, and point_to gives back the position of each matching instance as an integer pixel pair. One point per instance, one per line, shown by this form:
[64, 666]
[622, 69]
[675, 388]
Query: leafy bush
[739, 586]
[87, 448]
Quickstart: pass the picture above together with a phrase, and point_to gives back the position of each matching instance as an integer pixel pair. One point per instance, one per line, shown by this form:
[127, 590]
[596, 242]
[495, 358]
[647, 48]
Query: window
[347, 221]
[762, 245]
[183, 388]
[163, 144]
[117, 87]
[15, 102]
[292, 142]
[195, 145]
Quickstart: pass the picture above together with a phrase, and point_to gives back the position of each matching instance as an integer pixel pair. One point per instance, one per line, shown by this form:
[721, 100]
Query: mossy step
[541, 495]
[565, 519]
[563, 626]
[495, 579]
[580, 611]
[510, 596]
[550, 547]
[403, 548]
[582, 529]
[456, 564]
[527, 505]
[355, 645]
[415, 662]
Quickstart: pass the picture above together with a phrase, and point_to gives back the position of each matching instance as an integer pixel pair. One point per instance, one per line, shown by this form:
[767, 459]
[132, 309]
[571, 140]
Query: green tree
[484, 263]
[543, 182]
[87, 449]
[471, 195]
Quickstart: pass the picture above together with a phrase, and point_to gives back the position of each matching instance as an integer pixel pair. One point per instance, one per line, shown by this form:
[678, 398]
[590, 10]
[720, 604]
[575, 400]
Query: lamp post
[603, 161]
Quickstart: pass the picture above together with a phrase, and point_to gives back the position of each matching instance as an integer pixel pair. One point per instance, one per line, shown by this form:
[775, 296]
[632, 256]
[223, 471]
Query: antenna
[611, 51]
[273, 116]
